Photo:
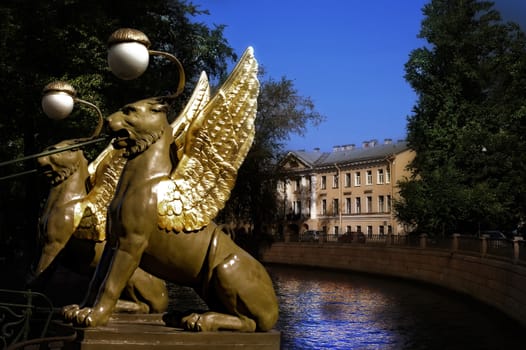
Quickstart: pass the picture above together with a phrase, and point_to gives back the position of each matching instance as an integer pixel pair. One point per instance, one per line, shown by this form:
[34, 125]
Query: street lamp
[58, 101]
[128, 56]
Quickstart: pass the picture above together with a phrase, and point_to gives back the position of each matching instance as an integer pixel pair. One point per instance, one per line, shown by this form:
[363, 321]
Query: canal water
[321, 309]
[326, 309]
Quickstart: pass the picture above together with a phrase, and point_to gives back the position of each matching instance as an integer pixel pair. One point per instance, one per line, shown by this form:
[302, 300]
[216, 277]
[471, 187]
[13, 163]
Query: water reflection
[322, 309]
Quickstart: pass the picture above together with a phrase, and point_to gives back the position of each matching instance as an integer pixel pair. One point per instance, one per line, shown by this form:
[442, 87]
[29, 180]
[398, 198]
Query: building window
[389, 229]
[381, 204]
[309, 183]
[297, 207]
[369, 204]
[324, 207]
[380, 176]
[388, 175]
[335, 181]
[297, 184]
[347, 205]
[369, 177]
[357, 179]
[347, 179]
[369, 231]
[307, 208]
[348, 228]
[388, 203]
[358, 228]
[336, 230]
[323, 182]
[358, 205]
[335, 206]
[381, 230]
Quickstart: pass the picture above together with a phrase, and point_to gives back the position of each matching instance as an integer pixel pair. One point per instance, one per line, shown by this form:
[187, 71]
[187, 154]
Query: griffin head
[58, 167]
[138, 125]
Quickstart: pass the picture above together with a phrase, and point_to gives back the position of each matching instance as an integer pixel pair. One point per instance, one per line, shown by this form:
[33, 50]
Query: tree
[467, 127]
[43, 41]
[282, 111]
[67, 40]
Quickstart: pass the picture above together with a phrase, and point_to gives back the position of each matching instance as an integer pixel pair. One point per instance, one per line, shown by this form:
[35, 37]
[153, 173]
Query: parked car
[496, 238]
[345, 238]
[310, 236]
[349, 237]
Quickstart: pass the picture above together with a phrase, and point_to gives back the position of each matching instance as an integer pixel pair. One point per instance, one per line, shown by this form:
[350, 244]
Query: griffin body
[172, 185]
[73, 218]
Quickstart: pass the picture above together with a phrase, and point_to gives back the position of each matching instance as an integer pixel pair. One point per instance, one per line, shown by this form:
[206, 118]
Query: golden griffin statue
[72, 223]
[174, 180]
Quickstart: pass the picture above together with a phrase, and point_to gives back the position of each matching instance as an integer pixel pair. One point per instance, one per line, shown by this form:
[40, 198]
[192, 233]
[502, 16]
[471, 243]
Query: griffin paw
[84, 317]
[192, 322]
[69, 312]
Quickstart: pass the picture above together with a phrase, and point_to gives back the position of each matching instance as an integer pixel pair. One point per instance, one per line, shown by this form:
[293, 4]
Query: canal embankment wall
[500, 283]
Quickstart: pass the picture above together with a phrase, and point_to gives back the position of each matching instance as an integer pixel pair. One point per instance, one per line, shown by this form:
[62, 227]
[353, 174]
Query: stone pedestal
[139, 332]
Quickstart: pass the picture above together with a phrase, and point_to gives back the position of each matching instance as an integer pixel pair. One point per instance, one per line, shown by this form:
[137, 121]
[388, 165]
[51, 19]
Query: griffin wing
[106, 169]
[198, 100]
[214, 146]
[90, 214]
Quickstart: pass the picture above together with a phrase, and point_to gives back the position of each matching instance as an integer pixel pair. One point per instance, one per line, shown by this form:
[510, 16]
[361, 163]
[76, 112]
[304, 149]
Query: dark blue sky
[348, 56]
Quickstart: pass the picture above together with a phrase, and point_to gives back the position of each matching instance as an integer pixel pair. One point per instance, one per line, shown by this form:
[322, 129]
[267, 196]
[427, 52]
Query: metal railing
[25, 320]
[513, 249]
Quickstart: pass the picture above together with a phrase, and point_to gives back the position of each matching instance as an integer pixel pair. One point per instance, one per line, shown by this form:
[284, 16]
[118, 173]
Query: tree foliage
[67, 40]
[282, 111]
[43, 41]
[467, 127]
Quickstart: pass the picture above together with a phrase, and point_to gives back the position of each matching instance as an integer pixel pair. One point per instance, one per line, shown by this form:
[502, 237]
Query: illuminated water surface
[326, 309]
[322, 309]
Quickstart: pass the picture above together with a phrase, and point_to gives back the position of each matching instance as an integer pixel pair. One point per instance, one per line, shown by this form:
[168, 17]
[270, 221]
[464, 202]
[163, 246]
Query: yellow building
[350, 189]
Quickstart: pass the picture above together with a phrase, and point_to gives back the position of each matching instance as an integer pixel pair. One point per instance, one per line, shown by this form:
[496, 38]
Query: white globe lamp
[128, 55]
[58, 100]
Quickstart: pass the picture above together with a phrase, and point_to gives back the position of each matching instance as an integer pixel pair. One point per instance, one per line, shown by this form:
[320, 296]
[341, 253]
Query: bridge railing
[26, 322]
[485, 246]
[17, 308]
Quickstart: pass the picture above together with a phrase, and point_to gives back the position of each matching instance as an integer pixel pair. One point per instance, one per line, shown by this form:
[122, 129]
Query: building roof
[345, 154]
[309, 158]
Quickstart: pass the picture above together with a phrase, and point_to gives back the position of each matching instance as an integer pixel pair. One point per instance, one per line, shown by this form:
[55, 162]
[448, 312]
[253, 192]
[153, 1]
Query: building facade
[350, 189]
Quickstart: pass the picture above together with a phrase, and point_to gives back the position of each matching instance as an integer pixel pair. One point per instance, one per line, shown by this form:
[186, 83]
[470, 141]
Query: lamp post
[58, 102]
[128, 58]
